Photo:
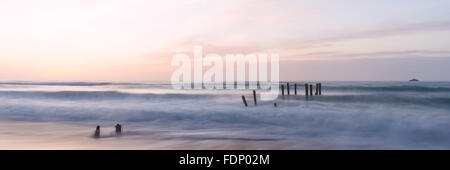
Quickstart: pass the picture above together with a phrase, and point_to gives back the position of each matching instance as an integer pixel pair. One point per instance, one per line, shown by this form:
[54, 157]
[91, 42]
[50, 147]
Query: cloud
[336, 55]
[387, 31]
[163, 55]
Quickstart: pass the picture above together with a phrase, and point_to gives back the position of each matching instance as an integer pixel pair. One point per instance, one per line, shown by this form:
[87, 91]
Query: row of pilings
[309, 91]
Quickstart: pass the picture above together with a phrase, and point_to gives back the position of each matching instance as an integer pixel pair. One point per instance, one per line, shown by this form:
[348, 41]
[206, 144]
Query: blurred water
[356, 115]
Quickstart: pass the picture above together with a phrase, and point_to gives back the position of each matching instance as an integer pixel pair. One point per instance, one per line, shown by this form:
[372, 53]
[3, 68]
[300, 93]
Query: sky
[134, 40]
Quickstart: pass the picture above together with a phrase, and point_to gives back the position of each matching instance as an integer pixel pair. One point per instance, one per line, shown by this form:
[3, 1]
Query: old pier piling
[287, 86]
[97, 132]
[118, 129]
[243, 100]
[295, 89]
[306, 89]
[320, 88]
[317, 89]
[254, 96]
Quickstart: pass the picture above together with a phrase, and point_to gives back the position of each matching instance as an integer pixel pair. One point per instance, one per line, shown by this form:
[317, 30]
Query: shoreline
[46, 135]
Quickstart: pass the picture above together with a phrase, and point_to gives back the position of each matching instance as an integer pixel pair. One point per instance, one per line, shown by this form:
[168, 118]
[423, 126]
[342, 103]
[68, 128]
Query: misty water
[348, 115]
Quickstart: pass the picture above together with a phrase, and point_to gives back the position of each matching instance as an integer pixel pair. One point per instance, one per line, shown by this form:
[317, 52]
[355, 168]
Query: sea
[347, 115]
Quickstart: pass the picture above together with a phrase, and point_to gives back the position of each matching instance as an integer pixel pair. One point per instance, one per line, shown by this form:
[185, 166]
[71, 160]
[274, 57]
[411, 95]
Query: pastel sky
[97, 40]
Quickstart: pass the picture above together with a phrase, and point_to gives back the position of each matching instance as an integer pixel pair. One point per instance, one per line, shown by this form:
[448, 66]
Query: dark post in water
[245, 102]
[254, 96]
[282, 90]
[295, 89]
[306, 89]
[317, 89]
[310, 90]
[320, 88]
[97, 132]
[118, 129]
[287, 86]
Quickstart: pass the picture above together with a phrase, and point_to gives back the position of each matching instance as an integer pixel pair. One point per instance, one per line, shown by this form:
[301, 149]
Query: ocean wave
[402, 88]
[57, 83]
[391, 99]
[97, 95]
[380, 98]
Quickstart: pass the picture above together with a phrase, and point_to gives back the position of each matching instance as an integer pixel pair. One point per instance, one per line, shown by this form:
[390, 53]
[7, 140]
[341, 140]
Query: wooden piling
[295, 89]
[320, 88]
[310, 90]
[274, 104]
[118, 129]
[97, 132]
[288, 87]
[245, 102]
[317, 89]
[254, 96]
[306, 89]
[282, 90]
